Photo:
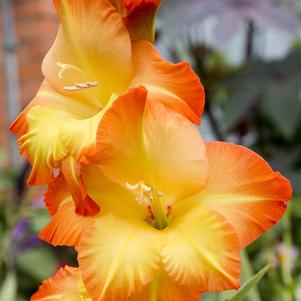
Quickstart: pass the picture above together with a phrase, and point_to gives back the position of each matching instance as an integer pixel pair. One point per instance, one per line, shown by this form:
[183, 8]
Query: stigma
[64, 67]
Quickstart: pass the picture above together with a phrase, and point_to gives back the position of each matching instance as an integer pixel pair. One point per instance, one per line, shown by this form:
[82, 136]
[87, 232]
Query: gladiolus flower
[175, 211]
[66, 285]
[91, 63]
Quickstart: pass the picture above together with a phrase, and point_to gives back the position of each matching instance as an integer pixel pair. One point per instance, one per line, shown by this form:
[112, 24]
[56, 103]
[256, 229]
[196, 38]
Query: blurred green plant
[256, 103]
[24, 260]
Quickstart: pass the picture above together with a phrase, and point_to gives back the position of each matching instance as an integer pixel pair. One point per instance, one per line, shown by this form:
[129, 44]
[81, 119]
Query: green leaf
[39, 220]
[248, 273]
[251, 283]
[39, 263]
[8, 291]
[239, 105]
[2, 157]
[283, 105]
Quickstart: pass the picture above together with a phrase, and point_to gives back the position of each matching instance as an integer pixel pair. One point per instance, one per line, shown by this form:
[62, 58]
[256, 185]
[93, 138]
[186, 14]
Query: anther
[168, 210]
[79, 86]
[159, 193]
[132, 186]
[145, 187]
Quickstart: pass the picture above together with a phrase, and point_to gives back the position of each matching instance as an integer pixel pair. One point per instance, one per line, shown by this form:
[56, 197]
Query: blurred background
[248, 56]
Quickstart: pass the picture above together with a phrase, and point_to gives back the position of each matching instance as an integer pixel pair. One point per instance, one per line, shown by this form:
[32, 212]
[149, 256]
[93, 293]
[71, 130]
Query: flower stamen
[80, 86]
[146, 195]
[65, 67]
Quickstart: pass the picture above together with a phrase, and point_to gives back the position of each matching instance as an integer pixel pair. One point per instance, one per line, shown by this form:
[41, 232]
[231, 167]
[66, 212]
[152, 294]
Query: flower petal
[41, 144]
[84, 204]
[243, 188]
[118, 258]
[109, 195]
[201, 249]
[163, 288]
[43, 126]
[140, 18]
[66, 285]
[140, 140]
[66, 227]
[56, 194]
[175, 85]
[47, 96]
[86, 48]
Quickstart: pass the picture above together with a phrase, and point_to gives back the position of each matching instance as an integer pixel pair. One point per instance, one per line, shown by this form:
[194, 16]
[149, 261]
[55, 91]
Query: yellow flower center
[150, 197]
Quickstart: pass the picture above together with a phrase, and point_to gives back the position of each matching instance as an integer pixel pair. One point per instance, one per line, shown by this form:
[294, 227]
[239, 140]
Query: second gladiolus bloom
[175, 211]
[154, 212]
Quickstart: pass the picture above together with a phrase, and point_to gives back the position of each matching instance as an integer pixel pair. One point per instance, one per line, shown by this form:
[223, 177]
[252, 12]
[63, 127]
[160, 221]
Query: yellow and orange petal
[56, 194]
[66, 227]
[125, 259]
[244, 189]
[45, 148]
[66, 285]
[118, 258]
[84, 204]
[110, 196]
[43, 127]
[41, 144]
[141, 140]
[163, 288]
[175, 85]
[201, 249]
[94, 45]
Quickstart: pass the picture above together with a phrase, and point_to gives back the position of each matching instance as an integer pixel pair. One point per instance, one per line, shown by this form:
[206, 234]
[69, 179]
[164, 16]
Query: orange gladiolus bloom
[175, 211]
[92, 61]
[66, 285]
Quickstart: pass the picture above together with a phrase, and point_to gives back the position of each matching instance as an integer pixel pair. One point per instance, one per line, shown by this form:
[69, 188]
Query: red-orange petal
[66, 227]
[243, 188]
[84, 204]
[56, 194]
[65, 285]
[175, 85]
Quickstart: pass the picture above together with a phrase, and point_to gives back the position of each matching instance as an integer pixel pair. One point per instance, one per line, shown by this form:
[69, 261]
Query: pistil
[160, 217]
